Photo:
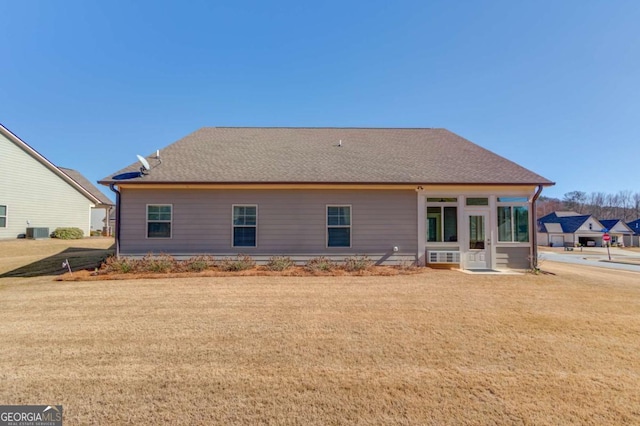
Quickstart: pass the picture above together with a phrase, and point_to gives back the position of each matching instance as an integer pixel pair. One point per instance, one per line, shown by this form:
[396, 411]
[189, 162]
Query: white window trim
[350, 226]
[170, 222]
[233, 206]
[513, 204]
[441, 205]
[6, 216]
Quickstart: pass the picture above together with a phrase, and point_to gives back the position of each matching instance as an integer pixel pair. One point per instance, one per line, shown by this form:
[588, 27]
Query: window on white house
[442, 220]
[338, 226]
[513, 223]
[3, 216]
[159, 217]
[245, 226]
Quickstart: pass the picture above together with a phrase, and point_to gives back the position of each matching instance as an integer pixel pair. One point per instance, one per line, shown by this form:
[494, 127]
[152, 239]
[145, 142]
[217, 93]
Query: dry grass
[438, 347]
[44, 257]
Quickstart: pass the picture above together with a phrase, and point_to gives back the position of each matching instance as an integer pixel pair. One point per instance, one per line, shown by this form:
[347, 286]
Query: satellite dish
[144, 162]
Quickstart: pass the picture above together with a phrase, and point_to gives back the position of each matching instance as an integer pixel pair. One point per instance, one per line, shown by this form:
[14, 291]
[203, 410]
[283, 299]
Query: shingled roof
[569, 223]
[314, 155]
[87, 185]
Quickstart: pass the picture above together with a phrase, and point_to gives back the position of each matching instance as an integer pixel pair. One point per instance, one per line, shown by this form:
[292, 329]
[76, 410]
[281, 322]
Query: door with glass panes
[478, 254]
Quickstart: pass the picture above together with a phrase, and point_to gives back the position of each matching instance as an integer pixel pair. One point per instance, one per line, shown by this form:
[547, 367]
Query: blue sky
[551, 85]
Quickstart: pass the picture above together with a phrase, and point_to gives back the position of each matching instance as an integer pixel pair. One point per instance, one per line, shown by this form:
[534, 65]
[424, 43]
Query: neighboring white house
[102, 210]
[634, 239]
[618, 231]
[559, 228]
[34, 193]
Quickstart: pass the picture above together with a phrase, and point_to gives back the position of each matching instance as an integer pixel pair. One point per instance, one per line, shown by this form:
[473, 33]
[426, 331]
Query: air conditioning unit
[443, 256]
[37, 233]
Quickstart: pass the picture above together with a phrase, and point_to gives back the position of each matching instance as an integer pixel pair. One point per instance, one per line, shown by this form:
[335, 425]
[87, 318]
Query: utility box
[37, 233]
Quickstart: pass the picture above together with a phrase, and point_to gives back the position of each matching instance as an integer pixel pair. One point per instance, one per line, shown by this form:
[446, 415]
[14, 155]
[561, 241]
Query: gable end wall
[33, 192]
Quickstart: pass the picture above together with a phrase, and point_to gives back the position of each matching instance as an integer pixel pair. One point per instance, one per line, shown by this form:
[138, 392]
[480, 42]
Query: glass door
[477, 256]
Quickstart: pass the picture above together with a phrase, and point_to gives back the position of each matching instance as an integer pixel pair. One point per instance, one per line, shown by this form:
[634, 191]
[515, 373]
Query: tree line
[623, 205]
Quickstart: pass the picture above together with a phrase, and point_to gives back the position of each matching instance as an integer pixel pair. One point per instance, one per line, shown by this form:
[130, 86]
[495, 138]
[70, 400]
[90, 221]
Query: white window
[338, 226]
[442, 219]
[159, 218]
[245, 226]
[513, 220]
[3, 216]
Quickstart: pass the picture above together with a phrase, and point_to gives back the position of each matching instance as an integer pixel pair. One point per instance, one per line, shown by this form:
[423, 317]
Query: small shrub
[242, 262]
[116, 265]
[198, 263]
[357, 263]
[320, 264]
[406, 266]
[158, 264]
[68, 233]
[279, 263]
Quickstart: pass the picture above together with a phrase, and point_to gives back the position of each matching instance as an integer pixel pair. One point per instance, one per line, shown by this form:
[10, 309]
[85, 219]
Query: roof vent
[340, 143]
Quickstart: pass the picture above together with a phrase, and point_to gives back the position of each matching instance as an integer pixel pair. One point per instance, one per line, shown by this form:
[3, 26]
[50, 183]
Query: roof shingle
[313, 155]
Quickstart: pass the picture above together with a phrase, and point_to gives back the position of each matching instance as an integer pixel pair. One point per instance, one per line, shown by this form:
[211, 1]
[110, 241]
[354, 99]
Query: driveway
[623, 260]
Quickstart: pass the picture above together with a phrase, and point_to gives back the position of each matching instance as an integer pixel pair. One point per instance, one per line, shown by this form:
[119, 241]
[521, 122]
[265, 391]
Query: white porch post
[493, 229]
[422, 228]
[462, 232]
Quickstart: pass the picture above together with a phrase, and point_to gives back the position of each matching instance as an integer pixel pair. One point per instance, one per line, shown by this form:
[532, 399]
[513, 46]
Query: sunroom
[474, 229]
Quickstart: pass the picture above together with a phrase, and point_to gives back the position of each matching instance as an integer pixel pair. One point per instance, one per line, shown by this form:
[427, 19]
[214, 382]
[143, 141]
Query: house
[565, 227]
[36, 196]
[101, 211]
[425, 196]
[617, 231]
[634, 239]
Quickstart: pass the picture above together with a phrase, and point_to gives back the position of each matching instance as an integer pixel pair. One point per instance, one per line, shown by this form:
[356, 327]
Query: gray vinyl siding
[34, 193]
[512, 257]
[631, 240]
[290, 222]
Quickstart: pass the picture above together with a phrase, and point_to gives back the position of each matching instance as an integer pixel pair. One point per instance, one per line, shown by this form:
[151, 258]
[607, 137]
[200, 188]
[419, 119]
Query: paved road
[593, 258]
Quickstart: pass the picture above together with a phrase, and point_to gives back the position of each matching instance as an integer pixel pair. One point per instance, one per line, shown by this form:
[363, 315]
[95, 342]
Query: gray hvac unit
[37, 233]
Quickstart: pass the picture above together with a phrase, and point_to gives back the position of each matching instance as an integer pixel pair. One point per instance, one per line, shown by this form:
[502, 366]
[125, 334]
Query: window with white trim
[442, 220]
[159, 218]
[513, 220]
[338, 226]
[3, 216]
[245, 226]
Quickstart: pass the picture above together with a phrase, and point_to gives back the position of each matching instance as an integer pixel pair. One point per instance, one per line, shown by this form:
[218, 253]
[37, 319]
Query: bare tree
[575, 200]
[595, 204]
[636, 206]
[624, 200]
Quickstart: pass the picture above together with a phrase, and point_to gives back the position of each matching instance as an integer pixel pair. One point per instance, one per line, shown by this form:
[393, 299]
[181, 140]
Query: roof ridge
[324, 128]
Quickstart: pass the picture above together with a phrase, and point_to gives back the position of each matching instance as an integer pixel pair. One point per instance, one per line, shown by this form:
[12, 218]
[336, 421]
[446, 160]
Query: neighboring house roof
[49, 165]
[635, 226]
[553, 227]
[314, 155]
[567, 213]
[569, 223]
[86, 184]
[616, 226]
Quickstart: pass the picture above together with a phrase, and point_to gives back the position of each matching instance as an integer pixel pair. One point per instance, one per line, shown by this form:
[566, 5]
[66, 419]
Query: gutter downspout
[112, 187]
[534, 229]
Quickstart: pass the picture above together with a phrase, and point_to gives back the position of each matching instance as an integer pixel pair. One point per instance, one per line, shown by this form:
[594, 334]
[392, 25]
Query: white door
[478, 254]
